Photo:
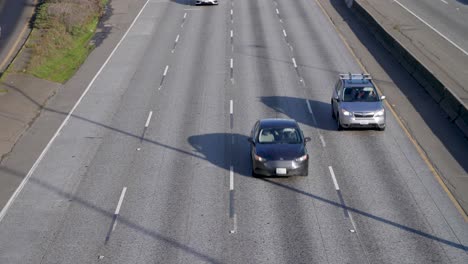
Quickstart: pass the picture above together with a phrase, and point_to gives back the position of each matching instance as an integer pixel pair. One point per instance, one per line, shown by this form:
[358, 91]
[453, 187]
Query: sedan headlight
[345, 112]
[302, 158]
[380, 113]
[258, 158]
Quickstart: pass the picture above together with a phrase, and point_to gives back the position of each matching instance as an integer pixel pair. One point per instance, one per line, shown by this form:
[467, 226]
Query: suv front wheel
[338, 122]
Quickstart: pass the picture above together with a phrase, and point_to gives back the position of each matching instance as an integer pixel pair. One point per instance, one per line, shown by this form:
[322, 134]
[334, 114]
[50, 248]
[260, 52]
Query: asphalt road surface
[449, 17]
[153, 166]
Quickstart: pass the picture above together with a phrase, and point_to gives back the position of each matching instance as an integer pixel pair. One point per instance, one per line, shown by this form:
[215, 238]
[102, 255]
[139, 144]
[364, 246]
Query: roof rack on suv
[355, 76]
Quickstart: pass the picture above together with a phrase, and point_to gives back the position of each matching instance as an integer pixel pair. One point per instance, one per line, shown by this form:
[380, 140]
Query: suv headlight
[302, 158]
[258, 158]
[345, 112]
[380, 113]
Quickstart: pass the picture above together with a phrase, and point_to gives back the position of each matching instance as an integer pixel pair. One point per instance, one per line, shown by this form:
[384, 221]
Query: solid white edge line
[294, 61]
[119, 204]
[334, 178]
[427, 24]
[148, 119]
[30, 172]
[177, 38]
[231, 178]
[232, 63]
[284, 33]
[165, 70]
[231, 107]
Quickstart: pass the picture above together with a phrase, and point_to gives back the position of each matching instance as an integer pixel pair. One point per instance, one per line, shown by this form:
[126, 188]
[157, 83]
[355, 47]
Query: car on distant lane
[356, 103]
[278, 148]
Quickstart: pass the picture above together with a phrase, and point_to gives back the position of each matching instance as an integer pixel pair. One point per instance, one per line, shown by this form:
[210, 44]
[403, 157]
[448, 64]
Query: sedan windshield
[360, 94]
[279, 135]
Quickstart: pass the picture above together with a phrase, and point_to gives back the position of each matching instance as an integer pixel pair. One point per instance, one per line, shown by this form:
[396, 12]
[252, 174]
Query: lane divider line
[65, 121]
[177, 38]
[231, 67]
[119, 204]
[231, 178]
[116, 215]
[277, 11]
[323, 141]
[231, 107]
[332, 173]
[165, 70]
[308, 106]
[148, 119]
[185, 15]
[294, 62]
[284, 33]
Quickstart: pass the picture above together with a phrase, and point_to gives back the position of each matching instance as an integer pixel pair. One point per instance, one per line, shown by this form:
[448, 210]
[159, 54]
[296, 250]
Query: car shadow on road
[224, 150]
[184, 2]
[298, 109]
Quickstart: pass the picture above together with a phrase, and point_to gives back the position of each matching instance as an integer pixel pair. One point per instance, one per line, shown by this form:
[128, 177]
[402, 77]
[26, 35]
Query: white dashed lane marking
[332, 173]
[148, 120]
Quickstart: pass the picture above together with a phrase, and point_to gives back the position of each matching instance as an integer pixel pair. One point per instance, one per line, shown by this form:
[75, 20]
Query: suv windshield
[360, 94]
[279, 135]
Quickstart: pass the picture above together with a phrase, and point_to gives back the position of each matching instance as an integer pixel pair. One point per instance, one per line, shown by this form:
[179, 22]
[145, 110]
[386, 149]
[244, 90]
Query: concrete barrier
[442, 94]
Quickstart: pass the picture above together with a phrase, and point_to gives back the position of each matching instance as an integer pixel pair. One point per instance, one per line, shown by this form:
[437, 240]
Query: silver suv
[356, 103]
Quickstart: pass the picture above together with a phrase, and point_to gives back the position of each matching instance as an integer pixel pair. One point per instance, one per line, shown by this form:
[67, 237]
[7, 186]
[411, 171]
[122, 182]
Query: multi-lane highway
[152, 165]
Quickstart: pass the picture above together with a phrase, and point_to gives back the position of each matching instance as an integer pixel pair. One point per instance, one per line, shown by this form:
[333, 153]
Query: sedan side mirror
[307, 139]
[382, 97]
[336, 98]
[251, 141]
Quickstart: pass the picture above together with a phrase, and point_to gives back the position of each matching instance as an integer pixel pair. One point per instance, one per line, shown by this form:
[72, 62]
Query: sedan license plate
[281, 171]
[364, 122]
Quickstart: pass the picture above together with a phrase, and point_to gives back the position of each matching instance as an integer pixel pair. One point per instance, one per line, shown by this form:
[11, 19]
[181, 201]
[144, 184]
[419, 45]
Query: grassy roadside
[59, 41]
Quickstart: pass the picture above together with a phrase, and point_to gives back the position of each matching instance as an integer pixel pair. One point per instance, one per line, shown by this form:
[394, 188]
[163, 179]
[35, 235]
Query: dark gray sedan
[278, 148]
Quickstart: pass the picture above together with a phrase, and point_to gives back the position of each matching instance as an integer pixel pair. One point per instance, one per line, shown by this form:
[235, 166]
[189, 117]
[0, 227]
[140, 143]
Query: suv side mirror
[307, 139]
[251, 141]
[337, 98]
[382, 97]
